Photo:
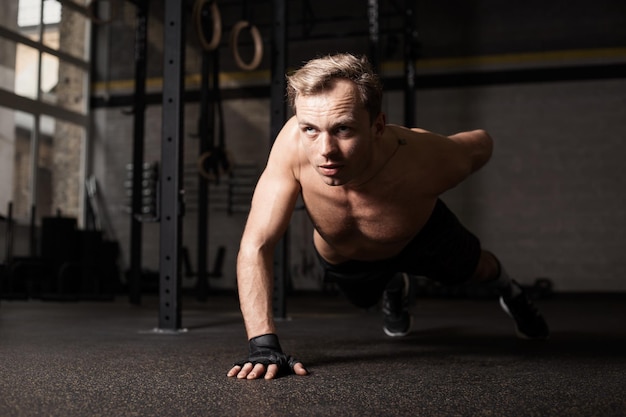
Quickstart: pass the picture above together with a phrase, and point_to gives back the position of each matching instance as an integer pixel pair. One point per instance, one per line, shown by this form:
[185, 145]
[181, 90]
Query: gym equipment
[199, 15]
[149, 208]
[8, 249]
[374, 34]
[88, 273]
[266, 350]
[94, 15]
[278, 116]
[139, 109]
[23, 275]
[209, 160]
[206, 131]
[214, 161]
[411, 46]
[258, 45]
[217, 265]
[171, 198]
[72, 264]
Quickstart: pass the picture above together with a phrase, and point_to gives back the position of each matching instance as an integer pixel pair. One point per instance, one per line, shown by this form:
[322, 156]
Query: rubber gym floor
[462, 359]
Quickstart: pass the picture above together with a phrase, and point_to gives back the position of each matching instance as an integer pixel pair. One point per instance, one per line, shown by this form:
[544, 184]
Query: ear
[379, 124]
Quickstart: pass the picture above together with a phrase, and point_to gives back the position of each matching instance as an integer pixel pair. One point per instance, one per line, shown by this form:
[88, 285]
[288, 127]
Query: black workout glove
[266, 350]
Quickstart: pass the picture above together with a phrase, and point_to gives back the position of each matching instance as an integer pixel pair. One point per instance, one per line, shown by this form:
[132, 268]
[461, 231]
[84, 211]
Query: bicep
[272, 205]
[275, 194]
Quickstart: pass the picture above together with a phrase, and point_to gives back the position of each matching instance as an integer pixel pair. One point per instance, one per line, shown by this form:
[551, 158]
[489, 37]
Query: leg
[363, 284]
[447, 252]
[365, 290]
[530, 324]
[488, 268]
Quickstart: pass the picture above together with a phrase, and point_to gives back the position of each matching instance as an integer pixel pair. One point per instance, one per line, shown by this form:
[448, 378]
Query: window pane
[7, 65]
[63, 84]
[18, 68]
[67, 34]
[41, 157]
[26, 67]
[28, 18]
[16, 137]
[49, 77]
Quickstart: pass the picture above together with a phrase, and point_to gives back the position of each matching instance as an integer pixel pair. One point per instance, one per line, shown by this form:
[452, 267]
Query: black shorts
[444, 250]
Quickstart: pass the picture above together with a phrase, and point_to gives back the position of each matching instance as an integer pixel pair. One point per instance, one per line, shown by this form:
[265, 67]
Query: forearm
[255, 285]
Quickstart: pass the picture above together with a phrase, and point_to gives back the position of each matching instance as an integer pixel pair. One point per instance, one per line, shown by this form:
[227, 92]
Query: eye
[343, 130]
[309, 131]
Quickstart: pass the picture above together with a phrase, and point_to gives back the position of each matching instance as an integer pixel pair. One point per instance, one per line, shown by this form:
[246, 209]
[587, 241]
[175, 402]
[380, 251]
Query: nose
[327, 145]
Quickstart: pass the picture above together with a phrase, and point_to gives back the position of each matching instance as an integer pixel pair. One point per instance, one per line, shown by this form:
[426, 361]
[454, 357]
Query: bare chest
[363, 226]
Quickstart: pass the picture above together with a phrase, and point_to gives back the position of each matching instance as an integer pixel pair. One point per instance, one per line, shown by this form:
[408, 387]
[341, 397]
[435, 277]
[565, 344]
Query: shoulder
[419, 142]
[285, 153]
[435, 161]
[288, 135]
[411, 134]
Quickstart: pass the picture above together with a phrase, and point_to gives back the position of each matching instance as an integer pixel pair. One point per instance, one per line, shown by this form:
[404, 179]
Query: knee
[488, 267]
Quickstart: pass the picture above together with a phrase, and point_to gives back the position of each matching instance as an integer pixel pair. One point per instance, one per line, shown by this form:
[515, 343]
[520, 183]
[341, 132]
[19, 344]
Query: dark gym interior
[132, 135]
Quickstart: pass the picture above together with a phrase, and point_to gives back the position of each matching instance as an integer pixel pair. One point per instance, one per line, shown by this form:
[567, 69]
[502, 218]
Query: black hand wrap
[266, 350]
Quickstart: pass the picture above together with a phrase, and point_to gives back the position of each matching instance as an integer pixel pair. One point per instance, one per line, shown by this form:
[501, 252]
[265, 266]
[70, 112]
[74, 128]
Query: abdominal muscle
[356, 251]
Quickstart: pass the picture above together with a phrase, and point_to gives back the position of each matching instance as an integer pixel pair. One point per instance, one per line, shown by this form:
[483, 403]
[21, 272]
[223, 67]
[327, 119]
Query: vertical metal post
[8, 249]
[277, 119]
[206, 132]
[139, 109]
[374, 34]
[171, 167]
[410, 55]
[32, 238]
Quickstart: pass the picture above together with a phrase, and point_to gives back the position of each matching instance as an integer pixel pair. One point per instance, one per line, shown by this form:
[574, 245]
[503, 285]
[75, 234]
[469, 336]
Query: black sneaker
[529, 323]
[396, 318]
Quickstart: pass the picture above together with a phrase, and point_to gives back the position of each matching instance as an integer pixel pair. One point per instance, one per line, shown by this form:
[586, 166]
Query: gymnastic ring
[91, 13]
[217, 24]
[258, 45]
[201, 170]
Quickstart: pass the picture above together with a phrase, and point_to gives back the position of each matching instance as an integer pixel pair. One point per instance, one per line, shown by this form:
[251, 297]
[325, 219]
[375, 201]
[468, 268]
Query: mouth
[329, 170]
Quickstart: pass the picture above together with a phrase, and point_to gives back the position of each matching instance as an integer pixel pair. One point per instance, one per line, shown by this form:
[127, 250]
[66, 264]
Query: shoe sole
[407, 284]
[399, 334]
[405, 293]
[519, 334]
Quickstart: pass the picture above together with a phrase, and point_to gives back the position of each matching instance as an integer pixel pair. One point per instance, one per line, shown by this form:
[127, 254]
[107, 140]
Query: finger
[234, 371]
[272, 371]
[257, 371]
[243, 373]
[299, 369]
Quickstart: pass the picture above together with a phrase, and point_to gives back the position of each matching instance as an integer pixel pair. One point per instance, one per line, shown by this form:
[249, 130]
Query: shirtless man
[372, 192]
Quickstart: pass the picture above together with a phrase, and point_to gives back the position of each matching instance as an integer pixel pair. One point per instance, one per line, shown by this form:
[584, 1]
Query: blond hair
[320, 74]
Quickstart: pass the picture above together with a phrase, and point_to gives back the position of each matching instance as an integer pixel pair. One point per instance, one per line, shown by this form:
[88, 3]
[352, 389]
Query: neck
[375, 172]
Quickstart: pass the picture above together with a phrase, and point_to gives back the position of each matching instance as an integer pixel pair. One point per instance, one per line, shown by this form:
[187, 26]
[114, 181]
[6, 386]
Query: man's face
[336, 133]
